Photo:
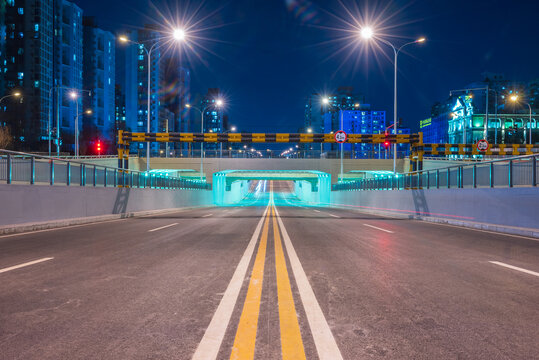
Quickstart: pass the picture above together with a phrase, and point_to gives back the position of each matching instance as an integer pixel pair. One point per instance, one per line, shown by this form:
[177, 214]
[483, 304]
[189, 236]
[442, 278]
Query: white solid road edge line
[25, 264]
[207, 215]
[162, 227]
[514, 268]
[377, 228]
[209, 346]
[325, 343]
[335, 216]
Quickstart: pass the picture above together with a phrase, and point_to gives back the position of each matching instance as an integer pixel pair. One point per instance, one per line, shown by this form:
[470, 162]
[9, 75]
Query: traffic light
[98, 147]
[387, 143]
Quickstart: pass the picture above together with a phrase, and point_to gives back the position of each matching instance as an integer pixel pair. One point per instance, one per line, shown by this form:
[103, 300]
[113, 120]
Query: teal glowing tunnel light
[311, 187]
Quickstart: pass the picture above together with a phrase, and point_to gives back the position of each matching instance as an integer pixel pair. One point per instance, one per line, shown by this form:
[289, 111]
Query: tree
[5, 137]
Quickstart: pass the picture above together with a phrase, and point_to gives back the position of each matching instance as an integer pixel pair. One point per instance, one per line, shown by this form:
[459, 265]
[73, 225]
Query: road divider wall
[30, 207]
[508, 210]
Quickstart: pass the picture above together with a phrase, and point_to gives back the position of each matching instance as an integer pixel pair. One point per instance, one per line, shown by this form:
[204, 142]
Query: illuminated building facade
[27, 33]
[99, 78]
[363, 121]
[136, 82]
[462, 117]
[42, 49]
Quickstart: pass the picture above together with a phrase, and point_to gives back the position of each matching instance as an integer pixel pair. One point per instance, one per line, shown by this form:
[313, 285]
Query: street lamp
[368, 33]
[74, 95]
[514, 98]
[15, 95]
[218, 103]
[232, 129]
[178, 35]
[77, 146]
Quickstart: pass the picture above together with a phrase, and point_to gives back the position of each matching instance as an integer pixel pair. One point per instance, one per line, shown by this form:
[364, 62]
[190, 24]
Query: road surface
[273, 280]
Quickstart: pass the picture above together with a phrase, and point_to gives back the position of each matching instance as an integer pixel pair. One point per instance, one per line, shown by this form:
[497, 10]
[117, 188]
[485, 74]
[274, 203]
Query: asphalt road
[291, 283]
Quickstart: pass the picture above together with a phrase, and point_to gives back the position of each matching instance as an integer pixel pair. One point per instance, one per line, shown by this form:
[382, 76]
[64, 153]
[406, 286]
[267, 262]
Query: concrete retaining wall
[510, 210]
[26, 207]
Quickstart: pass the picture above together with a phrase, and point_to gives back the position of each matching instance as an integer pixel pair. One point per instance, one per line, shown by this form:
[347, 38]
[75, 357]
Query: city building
[99, 79]
[27, 55]
[435, 128]
[462, 118]
[42, 57]
[68, 69]
[314, 114]
[119, 101]
[184, 95]
[361, 121]
[136, 82]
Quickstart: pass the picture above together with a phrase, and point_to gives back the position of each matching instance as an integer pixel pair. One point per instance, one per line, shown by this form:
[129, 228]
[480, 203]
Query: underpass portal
[251, 188]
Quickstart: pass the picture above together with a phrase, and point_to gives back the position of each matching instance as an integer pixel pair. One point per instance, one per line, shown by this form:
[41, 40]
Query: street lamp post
[217, 103]
[179, 35]
[368, 33]
[73, 91]
[77, 146]
[75, 96]
[514, 98]
[233, 128]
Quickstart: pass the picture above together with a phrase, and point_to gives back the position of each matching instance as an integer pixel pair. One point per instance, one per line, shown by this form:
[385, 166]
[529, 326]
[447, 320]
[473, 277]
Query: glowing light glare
[219, 102]
[325, 101]
[179, 34]
[73, 95]
[420, 40]
[514, 97]
[233, 128]
[123, 39]
[366, 32]
[188, 106]
[309, 130]
[16, 94]
[89, 112]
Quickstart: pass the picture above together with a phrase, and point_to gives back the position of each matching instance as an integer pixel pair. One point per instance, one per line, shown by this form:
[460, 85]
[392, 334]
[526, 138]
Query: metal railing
[23, 168]
[508, 172]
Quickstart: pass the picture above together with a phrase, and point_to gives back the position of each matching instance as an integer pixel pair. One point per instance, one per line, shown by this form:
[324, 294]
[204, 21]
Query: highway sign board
[341, 137]
[482, 145]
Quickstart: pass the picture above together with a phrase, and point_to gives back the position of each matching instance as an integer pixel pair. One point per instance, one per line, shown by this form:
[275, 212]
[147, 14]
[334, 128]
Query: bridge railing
[508, 172]
[23, 168]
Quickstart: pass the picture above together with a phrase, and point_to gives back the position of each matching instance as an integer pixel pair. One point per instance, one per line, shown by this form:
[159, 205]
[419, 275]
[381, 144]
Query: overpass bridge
[101, 262]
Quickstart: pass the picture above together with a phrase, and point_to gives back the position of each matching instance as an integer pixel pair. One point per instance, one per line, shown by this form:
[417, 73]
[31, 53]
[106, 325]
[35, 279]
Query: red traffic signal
[386, 144]
[98, 147]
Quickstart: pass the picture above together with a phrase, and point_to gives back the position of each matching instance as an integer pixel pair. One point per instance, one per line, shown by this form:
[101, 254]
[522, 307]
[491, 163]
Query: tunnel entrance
[250, 187]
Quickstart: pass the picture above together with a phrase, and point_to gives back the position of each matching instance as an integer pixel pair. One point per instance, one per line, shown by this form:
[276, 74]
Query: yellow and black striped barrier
[471, 149]
[126, 137]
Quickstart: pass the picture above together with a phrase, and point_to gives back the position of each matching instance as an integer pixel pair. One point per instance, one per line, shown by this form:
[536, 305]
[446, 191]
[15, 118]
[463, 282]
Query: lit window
[36, 84]
[36, 27]
[20, 76]
[20, 11]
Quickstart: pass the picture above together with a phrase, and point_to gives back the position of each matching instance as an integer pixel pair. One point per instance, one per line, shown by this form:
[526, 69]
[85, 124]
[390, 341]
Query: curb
[47, 225]
[511, 230]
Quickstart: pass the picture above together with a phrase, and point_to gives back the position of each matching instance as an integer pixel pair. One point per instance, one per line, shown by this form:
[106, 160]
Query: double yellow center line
[245, 340]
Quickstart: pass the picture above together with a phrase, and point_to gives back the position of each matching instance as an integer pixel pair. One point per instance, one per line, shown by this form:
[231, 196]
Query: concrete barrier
[27, 207]
[508, 210]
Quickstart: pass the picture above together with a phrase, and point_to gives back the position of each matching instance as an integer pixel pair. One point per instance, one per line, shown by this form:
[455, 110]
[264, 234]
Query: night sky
[268, 55]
